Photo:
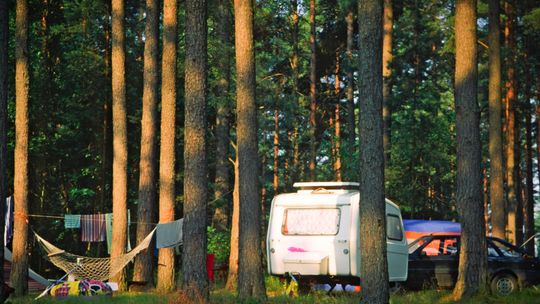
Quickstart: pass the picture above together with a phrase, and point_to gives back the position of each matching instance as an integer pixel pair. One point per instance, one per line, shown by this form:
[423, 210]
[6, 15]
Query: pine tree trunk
[473, 253]
[312, 93]
[337, 117]
[374, 268]
[4, 31]
[222, 184]
[351, 121]
[250, 276]
[144, 268]
[496, 182]
[511, 140]
[119, 189]
[195, 283]
[232, 276]
[165, 270]
[19, 270]
[388, 24]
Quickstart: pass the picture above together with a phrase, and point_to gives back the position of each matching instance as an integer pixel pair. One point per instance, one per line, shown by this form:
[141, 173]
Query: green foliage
[219, 244]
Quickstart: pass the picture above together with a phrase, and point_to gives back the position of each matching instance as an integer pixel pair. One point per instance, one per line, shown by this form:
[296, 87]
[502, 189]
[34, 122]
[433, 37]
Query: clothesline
[61, 217]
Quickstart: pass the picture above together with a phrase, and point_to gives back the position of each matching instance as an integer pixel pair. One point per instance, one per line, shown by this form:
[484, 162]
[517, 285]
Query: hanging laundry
[93, 227]
[8, 217]
[108, 228]
[72, 221]
[169, 234]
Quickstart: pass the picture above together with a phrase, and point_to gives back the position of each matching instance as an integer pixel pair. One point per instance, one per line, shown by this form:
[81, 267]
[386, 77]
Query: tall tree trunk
[165, 273]
[295, 75]
[195, 283]
[144, 268]
[473, 253]
[337, 117]
[388, 24]
[250, 276]
[511, 140]
[19, 270]
[232, 276]
[351, 121]
[222, 185]
[4, 32]
[496, 187]
[120, 152]
[312, 93]
[374, 268]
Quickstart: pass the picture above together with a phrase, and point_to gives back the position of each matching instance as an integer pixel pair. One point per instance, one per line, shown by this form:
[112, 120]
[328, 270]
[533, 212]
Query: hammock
[82, 267]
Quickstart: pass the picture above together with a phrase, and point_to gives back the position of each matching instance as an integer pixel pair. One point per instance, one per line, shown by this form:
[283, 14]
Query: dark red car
[433, 262]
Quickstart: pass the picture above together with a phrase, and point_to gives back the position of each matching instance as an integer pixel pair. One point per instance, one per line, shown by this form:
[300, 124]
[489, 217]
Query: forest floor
[276, 294]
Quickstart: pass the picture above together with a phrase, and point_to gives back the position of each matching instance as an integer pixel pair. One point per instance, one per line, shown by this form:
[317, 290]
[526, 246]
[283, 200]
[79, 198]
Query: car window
[507, 250]
[393, 228]
[441, 247]
[492, 252]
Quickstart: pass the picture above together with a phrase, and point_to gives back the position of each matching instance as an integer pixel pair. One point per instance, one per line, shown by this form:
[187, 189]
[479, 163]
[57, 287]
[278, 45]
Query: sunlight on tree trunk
[144, 268]
[165, 270]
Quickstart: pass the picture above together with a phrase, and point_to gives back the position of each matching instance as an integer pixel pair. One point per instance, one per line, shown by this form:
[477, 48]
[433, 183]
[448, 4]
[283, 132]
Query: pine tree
[195, 279]
[374, 267]
[473, 252]
[19, 270]
[119, 189]
[496, 189]
[144, 268]
[250, 276]
[165, 273]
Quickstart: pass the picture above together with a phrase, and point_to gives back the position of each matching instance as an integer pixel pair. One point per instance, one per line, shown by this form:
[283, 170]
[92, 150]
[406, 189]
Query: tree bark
[312, 93]
[232, 276]
[19, 271]
[388, 24]
[250, 276]
[195, 283]
[143, 269]
[351, 121]
[222, 184]
[374, 268]
[119, 189]
[165, 273]
[496, 182]
[511, 140]
[473, 253]
[4, 32]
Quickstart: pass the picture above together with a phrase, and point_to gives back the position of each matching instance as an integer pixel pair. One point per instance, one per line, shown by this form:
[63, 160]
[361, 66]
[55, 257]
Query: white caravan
[314, 234]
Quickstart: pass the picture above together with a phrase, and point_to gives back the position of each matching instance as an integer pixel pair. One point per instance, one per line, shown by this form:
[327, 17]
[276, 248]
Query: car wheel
[504, 284]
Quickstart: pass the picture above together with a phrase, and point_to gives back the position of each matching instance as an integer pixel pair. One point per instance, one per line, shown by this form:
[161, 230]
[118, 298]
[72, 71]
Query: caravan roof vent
[320, 187]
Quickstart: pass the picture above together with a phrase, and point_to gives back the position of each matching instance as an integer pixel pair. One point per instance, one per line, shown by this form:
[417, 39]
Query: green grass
[276, 294]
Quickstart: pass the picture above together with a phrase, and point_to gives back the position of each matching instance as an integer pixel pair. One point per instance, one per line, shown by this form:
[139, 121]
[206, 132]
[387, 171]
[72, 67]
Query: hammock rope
[82, 267]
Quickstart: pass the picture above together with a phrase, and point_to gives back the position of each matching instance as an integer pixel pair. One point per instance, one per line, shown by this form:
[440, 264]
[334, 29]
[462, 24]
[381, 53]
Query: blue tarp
[431, 226]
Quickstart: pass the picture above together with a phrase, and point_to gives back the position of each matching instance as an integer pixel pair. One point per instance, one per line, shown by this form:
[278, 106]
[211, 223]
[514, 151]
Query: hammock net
[82, 267]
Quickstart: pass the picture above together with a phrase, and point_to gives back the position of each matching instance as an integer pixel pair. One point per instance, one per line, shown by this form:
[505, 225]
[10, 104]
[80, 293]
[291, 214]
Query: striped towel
[93, 227]
[72, 221]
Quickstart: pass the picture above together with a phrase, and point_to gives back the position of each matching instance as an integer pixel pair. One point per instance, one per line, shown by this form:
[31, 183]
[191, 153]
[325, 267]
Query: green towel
[72, 221]
[108, 230]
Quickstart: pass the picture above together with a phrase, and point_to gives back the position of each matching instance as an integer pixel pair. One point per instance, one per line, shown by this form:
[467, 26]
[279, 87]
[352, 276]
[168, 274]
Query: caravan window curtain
[311, 221]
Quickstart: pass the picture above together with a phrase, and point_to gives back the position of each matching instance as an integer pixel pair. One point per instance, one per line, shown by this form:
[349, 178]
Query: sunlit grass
[276, 294]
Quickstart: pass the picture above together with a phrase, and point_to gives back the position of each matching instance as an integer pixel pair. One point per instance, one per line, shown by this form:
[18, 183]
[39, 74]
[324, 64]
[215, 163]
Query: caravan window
[393, 228]
[311, 221]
